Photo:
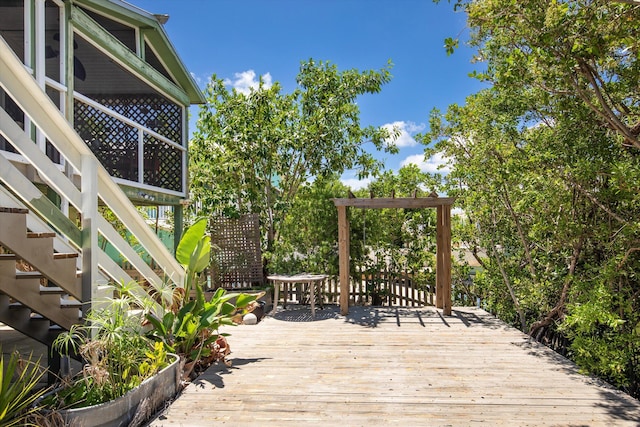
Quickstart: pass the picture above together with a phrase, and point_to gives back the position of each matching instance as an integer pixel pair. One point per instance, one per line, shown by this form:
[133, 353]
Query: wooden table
[302, 279]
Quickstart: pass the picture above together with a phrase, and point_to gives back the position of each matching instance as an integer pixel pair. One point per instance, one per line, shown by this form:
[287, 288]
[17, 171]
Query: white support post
[39, 69]
[140, 156]
[89, 188]
[28, 40]
[185, 144]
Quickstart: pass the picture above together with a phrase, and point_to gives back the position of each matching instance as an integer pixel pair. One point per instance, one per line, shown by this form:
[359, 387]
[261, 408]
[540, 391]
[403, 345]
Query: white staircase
[38, 232]
[41, 302]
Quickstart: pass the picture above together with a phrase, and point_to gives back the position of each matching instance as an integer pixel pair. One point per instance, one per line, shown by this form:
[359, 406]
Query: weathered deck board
[388, 366]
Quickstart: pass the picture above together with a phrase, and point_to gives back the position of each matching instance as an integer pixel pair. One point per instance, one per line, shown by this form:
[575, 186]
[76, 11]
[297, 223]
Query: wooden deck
[394, 366]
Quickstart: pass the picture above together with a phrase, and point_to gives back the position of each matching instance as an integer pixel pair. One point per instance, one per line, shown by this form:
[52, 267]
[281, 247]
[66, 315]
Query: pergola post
[443, 259]
[343, 244]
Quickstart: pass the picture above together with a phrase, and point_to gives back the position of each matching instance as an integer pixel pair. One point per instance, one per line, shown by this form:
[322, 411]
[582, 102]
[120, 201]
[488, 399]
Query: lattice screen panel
[236, 252]
[151, 111]
[113, 142]
[162, 164]
[116, 143]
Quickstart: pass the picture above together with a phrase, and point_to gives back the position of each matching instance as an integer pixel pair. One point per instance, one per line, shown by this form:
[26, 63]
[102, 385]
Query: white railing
[142, 131]
[34, 102]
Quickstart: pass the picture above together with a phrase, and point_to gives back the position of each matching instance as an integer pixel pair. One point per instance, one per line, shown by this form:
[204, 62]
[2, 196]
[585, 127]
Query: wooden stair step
[29, 275]
[62, 255]
[64, 303]
[70, 303]
[39, 319]
[37, 316]
[33, 235]
[51, 290]
[38, 251]
[14, 210]
[18, 306]
[8, 257]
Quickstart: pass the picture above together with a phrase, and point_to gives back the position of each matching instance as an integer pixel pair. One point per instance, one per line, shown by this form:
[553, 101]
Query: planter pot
[145, 399]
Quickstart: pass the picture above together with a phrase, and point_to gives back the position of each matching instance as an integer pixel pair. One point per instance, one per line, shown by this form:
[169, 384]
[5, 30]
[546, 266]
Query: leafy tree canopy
[587, 49]
[545, 164]
[252, 152]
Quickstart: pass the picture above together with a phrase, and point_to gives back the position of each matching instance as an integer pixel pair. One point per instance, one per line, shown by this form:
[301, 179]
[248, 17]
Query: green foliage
[189, 326]
[117, 356]
[408, 234]
[602, 323]
[381, 240]
[308, 237]
[191, 330]
[18, 389]
[567, 50]
[253, 152]
[394, 240]
[450, 45]
[194, 252]
[544, 164]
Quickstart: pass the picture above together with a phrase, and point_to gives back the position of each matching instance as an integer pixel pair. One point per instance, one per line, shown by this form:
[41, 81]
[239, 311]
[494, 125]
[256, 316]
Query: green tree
[544, 163]
[585, 50]
[252, 153]
[309, 237]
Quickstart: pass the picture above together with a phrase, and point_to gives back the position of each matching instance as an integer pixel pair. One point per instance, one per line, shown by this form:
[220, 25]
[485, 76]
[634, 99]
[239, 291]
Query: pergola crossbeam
[395, 202]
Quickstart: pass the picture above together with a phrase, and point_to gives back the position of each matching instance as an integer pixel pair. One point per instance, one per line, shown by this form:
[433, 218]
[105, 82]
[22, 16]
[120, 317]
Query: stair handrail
[47, 169]
[110, 269]
[34, 102]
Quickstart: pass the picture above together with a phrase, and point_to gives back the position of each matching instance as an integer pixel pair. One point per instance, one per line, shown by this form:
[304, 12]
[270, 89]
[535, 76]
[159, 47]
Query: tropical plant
[189, 326]
[19, 390]
[194, 252]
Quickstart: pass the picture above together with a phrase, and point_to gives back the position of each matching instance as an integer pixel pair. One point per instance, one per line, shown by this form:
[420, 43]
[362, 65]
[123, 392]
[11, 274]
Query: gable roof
[155, 36]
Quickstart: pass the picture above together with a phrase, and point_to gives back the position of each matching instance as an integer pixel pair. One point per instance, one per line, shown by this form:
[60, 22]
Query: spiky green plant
[118, 357]
[19, 380]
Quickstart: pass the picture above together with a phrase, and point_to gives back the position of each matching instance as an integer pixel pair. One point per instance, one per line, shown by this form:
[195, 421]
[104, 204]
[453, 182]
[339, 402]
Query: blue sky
[242, 40]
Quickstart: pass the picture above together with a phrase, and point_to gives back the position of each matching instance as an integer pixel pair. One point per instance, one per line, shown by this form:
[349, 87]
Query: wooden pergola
[443, 240]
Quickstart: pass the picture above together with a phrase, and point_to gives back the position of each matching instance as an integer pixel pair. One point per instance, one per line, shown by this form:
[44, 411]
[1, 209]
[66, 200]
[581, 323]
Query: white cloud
[355, 183]
[407, 130]
[435, 164]
[245, 81]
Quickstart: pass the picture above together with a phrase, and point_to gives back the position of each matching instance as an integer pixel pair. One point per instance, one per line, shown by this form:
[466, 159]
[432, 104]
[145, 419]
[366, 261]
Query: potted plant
[122, 370]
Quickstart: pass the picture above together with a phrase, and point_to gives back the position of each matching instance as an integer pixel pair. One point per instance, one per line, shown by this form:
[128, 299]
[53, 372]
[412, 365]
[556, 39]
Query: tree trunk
[557, 313]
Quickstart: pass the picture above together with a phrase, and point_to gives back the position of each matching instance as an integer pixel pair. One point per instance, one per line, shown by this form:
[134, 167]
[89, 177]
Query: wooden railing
[382, 288]
[393, 289]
